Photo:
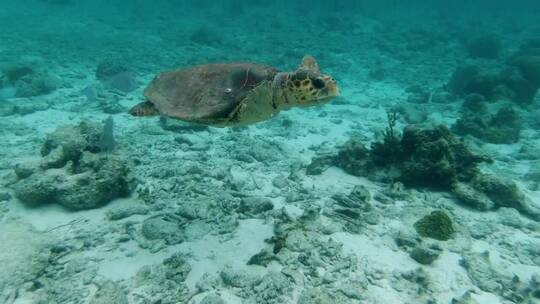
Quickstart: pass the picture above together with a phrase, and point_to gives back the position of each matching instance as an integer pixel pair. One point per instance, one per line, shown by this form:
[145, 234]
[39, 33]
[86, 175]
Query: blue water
[419, 183]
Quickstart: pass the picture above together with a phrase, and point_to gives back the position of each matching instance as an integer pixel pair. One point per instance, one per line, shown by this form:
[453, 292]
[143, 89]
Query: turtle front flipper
[144, 109]
[257, 106]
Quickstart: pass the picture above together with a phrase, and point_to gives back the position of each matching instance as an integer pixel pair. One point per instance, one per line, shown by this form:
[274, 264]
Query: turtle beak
[332, 87]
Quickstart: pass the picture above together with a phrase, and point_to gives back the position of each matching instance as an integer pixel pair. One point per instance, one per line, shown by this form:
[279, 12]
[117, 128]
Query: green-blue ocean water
[419, 183]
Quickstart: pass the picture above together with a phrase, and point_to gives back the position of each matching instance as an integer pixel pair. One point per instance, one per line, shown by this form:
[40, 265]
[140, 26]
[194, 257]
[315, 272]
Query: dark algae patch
[436, 225]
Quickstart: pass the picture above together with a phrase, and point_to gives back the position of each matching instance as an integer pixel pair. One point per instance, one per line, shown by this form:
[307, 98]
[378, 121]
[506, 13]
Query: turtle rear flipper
[144, 109]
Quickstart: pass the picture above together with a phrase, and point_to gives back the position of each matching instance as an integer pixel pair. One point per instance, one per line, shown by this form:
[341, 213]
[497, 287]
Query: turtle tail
[144, 109]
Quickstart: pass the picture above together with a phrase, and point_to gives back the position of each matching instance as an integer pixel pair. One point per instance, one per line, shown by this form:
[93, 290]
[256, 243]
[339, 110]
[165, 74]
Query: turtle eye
[318, 83]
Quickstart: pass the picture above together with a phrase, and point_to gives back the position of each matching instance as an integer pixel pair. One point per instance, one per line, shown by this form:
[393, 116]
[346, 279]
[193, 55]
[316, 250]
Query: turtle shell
[209, 92]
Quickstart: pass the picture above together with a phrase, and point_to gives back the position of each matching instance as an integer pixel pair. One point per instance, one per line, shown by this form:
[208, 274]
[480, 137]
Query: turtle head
[308, 86]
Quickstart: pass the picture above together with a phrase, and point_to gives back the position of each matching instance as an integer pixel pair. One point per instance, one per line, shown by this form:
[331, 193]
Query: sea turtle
[234, 94]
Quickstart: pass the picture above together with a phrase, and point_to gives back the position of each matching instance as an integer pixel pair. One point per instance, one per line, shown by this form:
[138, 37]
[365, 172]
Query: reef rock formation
[421, 157]
[75, 170]
[472, 79]
[518, 80]
[493, 123]
[27, 81]
[431, 158]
